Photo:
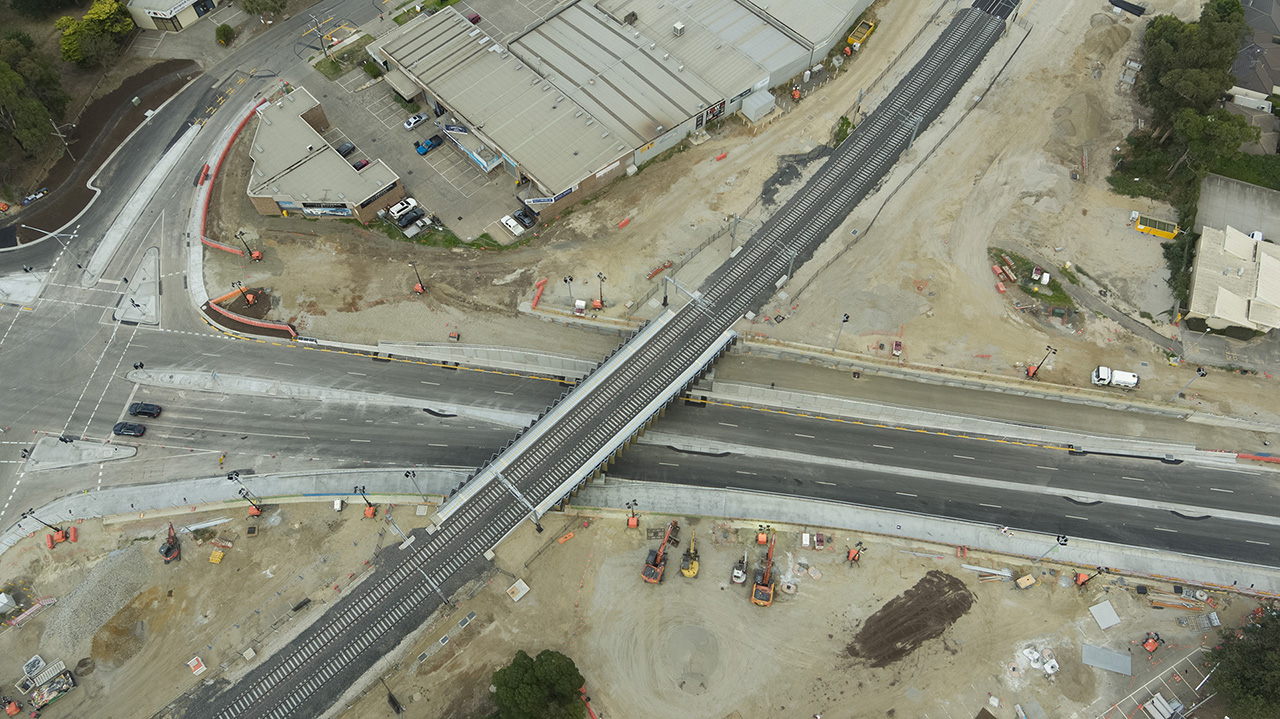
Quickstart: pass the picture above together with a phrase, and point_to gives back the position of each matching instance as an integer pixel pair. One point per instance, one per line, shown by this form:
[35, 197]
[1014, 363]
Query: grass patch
[1071, 276]
[664, 156]
[345, 60]
[1051, 294]
[411, 107]
[843, 129]
[1146, 315]
[1261, 170]
[439, 236]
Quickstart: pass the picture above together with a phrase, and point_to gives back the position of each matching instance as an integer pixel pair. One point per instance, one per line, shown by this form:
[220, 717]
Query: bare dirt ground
[127, 624]
[900, 634]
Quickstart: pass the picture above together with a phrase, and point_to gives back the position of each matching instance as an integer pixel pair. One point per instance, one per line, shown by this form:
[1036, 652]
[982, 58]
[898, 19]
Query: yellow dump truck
[860, 34]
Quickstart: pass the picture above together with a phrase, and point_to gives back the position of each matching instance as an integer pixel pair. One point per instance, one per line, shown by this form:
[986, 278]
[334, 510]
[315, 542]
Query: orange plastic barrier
[541, 285]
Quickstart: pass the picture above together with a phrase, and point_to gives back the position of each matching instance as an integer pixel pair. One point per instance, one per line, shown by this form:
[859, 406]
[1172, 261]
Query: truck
[860, 34]
[1108, 377]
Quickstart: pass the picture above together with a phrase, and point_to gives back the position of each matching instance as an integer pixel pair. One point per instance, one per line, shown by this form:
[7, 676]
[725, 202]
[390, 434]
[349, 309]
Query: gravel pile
[112, 583]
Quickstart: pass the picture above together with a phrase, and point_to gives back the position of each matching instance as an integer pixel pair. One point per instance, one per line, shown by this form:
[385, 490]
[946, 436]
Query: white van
[1114, 378]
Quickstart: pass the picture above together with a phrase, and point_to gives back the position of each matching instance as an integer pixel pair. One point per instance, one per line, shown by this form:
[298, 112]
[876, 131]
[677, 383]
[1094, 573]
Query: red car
[474, 18]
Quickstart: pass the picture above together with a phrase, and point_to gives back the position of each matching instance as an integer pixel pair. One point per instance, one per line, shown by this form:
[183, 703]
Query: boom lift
[762, 590]
[739, 575]
[689, 563]
[657, 560]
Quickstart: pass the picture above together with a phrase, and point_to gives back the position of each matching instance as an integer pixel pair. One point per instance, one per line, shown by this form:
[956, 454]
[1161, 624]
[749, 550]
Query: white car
[414, 121]
[401, 207]
[512, 226]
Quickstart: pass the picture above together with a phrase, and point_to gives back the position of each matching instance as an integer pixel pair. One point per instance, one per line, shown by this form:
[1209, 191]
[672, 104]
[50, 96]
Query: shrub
[225, 34]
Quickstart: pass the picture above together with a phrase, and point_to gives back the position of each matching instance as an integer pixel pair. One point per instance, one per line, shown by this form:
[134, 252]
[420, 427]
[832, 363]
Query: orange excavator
[762, 590]
[657, 560]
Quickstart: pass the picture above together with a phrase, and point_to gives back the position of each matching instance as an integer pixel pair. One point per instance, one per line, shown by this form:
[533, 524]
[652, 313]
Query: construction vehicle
[1152, 642]
[255, 504]
[689, 562]
[860, 34]
[370, 511]
[170, 550]
[762, 590]
[739, 575]
[657, 560]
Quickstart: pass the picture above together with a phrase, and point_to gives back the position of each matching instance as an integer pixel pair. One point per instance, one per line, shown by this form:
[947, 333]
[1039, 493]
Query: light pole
[412, 477]
[57, 236]
[633, 521]
[1061, 542]
[733, 230]
[57, 132]
[419, 288]
[1186, 347]
[255, 505]
[602, 279]
[568, 281]
[1200, 372]
[32, 514]
[248, 298]
[255, 255]
[1032, 373]
[839, 329]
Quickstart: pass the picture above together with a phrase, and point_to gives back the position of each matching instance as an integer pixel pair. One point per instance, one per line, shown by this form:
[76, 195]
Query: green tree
[225, 34]
[17, 49]
[1209, 138]
[263, 7]
[90, 40]
[543, 688]
[39, 9]
[1188, 65]
[1248, 667]
[21, 114]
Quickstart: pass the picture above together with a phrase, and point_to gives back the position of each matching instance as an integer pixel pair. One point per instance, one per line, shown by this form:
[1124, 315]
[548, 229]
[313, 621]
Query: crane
[689, 563]
[762, 590]
[657, 560]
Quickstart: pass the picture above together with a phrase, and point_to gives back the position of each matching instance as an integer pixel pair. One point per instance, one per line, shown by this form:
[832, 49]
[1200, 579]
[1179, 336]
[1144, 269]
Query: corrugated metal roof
[555, 140]
[1235, 282]
[632, 81]
[817, 21]
[284, 165]
[724, 62]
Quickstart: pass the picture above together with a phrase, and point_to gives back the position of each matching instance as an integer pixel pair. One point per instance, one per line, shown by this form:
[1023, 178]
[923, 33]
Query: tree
[40, 9]
[90, 40]
[543, 688]
[1188, 65]
[263, 7]
[21, 114]
[225, 34]
[1248, 667]
[1209, 137]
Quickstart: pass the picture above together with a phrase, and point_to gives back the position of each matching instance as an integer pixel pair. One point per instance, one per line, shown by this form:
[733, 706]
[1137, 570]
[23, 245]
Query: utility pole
[57, 132]
[915, 120]
[568, 281]
[412, 476]
[1200, 372]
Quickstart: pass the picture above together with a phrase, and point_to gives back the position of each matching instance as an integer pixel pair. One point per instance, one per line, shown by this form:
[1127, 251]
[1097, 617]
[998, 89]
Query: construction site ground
[906, 632]
[999, 175]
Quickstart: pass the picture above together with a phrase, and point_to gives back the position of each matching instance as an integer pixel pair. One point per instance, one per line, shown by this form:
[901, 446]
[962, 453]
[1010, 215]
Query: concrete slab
[1107, 659]
[141, 303]
[52, 453]
[1104, 614]
[22, 288]
[1246, 207]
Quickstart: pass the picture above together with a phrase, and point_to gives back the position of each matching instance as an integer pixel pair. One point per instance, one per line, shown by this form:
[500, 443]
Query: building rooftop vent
[677, 29]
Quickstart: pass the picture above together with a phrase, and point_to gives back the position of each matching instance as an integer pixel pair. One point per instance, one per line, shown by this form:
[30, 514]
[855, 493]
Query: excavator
[657, 560]
[762, 590]
[171, 550]
[689, 562]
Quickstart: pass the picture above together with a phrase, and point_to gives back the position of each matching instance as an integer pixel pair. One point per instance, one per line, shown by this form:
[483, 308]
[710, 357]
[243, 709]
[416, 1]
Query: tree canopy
[1248, 667]
[31, 96]
[1188, 65]
[90, 41]
[39, 9]
[546, 687]
[263, 7]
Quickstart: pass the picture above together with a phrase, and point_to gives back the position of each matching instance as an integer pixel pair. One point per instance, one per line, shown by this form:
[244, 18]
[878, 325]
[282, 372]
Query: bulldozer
[689, 562]
[656, 562]
[762, 590]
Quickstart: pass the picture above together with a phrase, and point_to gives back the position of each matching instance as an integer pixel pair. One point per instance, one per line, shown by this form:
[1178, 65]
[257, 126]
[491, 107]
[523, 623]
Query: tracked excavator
[657, 560]
[689, 562]
[762, 590]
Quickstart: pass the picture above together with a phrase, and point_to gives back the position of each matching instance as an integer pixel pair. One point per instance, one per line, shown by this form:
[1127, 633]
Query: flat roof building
[1235, 281]
[171, 15]
[296, 170]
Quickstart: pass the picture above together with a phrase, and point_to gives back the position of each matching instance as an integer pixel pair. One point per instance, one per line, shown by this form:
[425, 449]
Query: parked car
[411, 217]
[473, 18]
[512, 226]
[360, 165]
[526, 218]
[129, 429]
[432, 143]
[401, 207]
[144, 409]
[34, 196]
[346, 148]
[415, 121]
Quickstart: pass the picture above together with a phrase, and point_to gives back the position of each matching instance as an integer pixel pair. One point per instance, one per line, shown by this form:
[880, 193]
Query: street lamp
[57, 236]
[248, 298]
[568, 280]
[839, 329]
[255, 505]
[633, 521]
[1061, 542]
[1033, 372]
[419, 288]
[412, 477]
[602, 279]
[255, 255]
[31, 513]
[1200, 372]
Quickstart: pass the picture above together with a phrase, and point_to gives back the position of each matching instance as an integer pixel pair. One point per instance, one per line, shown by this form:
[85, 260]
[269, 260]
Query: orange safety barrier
[624, 223]
[541, 285]
[565, 538]
[213, 175]
[721, 156]
[265, 324]
[204, 174]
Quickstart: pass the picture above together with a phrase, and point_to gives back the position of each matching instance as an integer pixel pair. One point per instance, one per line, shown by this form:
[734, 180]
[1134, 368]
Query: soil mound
[910, 619]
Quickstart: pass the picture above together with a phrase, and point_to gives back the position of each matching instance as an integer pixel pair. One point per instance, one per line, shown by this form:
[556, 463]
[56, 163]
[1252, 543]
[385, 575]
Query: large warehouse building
[596, 89]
